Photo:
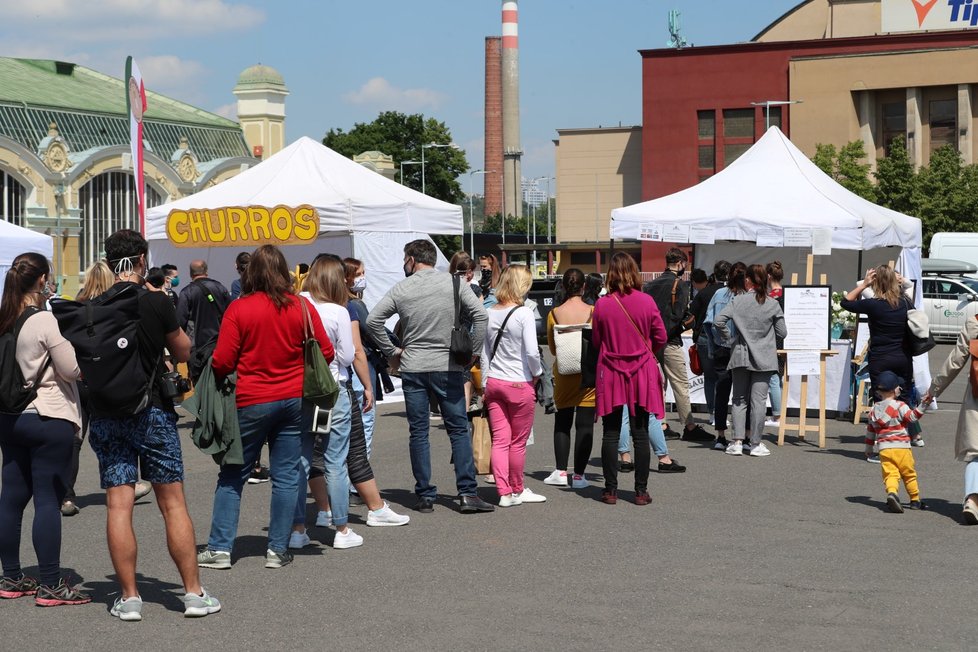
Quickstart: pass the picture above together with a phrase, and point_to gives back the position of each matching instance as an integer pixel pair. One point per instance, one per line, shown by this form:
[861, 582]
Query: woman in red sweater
[628, 330]
[261, 339]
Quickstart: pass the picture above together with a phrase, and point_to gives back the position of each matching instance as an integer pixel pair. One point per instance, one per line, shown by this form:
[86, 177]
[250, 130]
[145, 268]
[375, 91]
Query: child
[887, 428]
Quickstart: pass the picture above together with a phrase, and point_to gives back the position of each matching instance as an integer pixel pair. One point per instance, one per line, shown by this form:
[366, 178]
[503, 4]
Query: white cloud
[380, 93]
[168, 71]
[229, 111]
[128, 20]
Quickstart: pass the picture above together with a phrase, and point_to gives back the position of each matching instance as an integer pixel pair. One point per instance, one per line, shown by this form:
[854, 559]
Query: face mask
[175, 281]
[46, 291]
[360, 283]
[408, 272]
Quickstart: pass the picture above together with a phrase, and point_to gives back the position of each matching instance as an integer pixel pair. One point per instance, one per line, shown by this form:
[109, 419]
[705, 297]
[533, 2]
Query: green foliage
[846, 168]
[519, 225]
[895, 179]
[401, 136]
[940, 194]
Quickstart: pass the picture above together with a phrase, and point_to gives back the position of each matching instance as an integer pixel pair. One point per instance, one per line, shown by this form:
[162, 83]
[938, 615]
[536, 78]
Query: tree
[845, 167]
[939, 196]
[401, 136]
[895, 178]
[520, 225]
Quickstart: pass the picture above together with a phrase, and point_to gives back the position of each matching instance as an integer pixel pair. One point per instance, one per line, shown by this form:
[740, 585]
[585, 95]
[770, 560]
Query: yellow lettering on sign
[234, 226]
[176, 227]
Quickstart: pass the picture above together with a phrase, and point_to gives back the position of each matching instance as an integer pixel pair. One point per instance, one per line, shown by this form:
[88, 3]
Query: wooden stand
[802, 427]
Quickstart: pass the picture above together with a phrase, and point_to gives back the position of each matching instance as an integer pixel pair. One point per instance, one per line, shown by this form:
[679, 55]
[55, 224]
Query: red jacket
[264, 345]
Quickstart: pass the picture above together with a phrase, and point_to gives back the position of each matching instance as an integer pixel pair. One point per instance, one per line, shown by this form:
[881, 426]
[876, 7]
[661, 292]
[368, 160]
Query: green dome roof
[260, 76]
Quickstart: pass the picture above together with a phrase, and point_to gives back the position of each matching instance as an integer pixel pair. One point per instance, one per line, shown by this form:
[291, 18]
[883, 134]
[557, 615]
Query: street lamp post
[767, 104]
[403, 163]
[471, 216]
[429, 146]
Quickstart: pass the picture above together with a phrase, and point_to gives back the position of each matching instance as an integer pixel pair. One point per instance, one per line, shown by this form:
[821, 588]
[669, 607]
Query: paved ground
[794, 551]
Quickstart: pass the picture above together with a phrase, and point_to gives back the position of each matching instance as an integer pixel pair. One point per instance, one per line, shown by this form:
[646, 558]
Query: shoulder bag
[918, 334]
[318, 384]
[568, 341]
[460, 346]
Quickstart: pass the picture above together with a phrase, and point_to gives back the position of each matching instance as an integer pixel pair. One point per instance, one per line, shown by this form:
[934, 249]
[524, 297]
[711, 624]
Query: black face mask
[406, 272]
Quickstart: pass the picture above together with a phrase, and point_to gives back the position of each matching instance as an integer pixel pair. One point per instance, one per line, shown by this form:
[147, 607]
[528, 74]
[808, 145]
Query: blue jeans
[447, 388]
[336, 445]
[709, 371]
[367, 417]
[656, 437]
[774, 389]
[971, 478]
[280, 422]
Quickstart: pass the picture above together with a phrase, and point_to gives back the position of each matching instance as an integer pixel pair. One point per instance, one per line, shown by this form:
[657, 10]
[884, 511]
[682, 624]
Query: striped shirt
[888, 421]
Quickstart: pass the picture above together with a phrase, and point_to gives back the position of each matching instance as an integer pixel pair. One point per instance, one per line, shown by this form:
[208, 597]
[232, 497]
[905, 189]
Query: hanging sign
[235, 226]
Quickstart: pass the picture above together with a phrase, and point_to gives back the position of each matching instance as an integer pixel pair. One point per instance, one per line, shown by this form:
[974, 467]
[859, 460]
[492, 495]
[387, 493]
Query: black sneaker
[696, 433]
[626, 467]
[670, 433]
[893, 503]
[720, 444]
[60, 595]
[918, 504]
[425, 505]
[671, 467]
[259, 475]
[11, 588]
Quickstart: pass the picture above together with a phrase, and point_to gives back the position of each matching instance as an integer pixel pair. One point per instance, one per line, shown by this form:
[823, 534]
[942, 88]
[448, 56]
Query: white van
[955, 246]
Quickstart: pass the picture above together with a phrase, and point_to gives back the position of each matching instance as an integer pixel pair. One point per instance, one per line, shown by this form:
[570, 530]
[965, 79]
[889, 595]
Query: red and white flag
[136, 103]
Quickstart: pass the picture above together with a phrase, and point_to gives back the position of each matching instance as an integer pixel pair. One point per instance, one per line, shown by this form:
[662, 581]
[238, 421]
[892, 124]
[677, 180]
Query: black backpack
[105, 334]
[15, 393]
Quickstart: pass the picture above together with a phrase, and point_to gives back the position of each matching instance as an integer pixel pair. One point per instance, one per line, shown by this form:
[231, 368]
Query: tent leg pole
[859, 265]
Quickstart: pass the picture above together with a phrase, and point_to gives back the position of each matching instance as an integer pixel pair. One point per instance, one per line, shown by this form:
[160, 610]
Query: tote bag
[318, 384]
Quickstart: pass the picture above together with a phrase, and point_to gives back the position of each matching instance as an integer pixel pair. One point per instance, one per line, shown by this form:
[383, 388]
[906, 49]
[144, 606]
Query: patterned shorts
[149, 439]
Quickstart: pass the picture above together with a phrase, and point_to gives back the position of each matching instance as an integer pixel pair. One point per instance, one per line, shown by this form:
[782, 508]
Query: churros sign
[234, 226]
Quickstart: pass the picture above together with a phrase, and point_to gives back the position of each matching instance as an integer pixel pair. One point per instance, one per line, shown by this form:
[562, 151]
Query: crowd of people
[464, 345]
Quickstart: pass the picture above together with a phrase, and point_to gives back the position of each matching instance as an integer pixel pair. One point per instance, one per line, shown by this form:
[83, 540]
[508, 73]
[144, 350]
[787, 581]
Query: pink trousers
[511, 406]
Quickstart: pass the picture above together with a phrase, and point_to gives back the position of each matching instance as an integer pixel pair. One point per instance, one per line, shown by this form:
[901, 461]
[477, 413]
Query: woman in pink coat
[628, 330]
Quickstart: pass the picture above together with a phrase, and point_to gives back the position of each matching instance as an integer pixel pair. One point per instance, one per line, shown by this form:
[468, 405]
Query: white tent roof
[15, 240]
[348, 196]
[773, 185]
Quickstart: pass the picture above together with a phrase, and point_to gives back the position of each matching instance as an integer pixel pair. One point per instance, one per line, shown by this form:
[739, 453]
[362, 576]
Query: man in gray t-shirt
[425, 305]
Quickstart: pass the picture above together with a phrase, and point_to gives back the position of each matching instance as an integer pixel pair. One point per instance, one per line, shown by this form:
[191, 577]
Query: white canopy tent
[774, 185]
[361, 214]
[15, 240]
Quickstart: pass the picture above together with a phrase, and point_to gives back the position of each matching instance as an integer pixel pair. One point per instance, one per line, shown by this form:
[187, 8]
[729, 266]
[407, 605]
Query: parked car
[949, 301]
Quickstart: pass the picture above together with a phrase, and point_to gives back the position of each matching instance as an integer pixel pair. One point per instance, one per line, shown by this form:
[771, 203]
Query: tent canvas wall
[15, 240]
[774, 185]
[361, 214]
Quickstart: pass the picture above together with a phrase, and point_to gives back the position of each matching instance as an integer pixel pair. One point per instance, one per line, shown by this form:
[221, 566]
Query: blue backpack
[715, 338]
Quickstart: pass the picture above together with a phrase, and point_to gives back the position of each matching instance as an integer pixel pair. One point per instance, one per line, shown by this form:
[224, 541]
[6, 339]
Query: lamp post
[471, 216]
[403, 163]
[429, 146]
[767, 104]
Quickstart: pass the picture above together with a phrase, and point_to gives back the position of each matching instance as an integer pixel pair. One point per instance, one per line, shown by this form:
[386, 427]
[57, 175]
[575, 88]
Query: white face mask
[359, 284]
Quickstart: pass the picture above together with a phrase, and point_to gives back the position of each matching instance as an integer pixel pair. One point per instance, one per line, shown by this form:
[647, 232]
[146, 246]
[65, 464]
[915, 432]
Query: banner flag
[136, 103]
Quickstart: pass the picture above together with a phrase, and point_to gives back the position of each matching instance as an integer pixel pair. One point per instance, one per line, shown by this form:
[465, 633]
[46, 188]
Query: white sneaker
[772, 422]
[734, 448]
[348, 539]
[579, 482]
[491, 479]
[873, 459]
[761, 450]
[557, 478]
[324, 519]
[510, 500]
[386, 517]
[917, 442]
[299, 540]
[528, 496]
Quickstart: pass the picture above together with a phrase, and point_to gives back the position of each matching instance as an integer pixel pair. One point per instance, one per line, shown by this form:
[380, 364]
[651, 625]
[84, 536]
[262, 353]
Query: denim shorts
[149, 439]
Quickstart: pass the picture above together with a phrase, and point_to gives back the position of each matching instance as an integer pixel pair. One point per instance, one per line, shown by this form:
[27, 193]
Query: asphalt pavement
[795, 551]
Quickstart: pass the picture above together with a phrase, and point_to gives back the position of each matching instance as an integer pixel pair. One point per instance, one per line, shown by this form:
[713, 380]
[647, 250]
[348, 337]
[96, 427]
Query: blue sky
[344, 62]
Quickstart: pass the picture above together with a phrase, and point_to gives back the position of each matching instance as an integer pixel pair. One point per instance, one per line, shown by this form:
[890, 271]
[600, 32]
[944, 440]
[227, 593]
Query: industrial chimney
[512, 151]
[494, 127]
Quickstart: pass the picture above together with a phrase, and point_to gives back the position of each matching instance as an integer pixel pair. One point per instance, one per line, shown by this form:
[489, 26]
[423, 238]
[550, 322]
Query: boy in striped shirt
[887, 428]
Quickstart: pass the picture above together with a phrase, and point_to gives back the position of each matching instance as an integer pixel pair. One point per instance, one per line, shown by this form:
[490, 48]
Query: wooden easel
[802, 427]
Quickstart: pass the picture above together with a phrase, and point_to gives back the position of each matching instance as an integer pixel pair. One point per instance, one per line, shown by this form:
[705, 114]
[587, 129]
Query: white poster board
[807, 311]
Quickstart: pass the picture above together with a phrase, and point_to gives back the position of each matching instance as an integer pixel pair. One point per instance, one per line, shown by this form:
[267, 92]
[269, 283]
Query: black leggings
[583, 420]
[36, 452]
[638, 425]
[357, 465]
[721, 401]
